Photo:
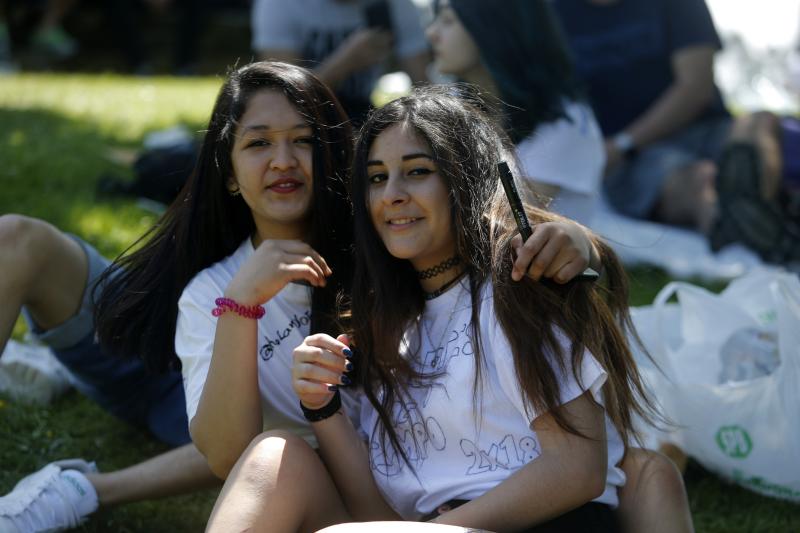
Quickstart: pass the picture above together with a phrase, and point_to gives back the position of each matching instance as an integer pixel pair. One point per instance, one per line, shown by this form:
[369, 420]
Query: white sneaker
[56, 498]
[30, 372]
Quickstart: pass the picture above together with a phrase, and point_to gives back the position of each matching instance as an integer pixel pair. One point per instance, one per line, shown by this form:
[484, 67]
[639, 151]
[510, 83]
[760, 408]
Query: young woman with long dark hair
[267, 206]
[267, 201]
[487, 402]
[521, 62]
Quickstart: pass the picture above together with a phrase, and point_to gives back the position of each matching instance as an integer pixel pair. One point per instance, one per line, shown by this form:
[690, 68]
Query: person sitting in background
[648, 68]
[522, 61]
[345, 42]
[674, 155]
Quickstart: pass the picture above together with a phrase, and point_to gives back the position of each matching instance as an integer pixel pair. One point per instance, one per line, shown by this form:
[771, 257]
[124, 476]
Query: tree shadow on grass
[51, 164]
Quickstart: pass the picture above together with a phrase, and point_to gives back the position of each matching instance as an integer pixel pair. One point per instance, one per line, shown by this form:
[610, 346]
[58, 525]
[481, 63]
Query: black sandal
[744, 216]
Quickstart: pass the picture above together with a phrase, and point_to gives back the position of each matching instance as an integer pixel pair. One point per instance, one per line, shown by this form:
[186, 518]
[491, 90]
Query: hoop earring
[236, 192]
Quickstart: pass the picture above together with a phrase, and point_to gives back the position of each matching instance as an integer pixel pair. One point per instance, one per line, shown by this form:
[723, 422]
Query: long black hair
[525, 52]
[137, 297]
[387, 297]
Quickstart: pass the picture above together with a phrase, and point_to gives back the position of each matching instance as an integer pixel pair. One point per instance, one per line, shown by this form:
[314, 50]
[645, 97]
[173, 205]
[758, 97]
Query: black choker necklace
[441, 268]
[441, 290]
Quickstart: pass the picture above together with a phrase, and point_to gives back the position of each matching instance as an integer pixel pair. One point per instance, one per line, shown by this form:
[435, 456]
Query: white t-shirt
[315, 28]
[456, 454]
[283, 327]
[569, 154]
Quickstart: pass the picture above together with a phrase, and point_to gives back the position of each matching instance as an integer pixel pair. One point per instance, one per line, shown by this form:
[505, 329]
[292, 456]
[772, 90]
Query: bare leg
[43, 269]
[654, 498]
[177, 471]
[763, 130]
[46, 271]
[689, 198]
[278, 484]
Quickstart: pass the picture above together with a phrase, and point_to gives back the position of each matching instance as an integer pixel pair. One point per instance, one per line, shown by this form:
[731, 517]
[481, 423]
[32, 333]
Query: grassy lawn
[57, 134]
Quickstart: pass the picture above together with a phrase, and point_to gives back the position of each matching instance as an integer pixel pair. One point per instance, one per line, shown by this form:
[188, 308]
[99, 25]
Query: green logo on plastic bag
[734, 441]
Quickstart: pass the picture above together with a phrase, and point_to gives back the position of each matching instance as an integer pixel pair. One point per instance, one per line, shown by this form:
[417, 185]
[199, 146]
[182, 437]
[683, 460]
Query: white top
[570, 154]
[456, 454]
[315, 28]
[283, 327]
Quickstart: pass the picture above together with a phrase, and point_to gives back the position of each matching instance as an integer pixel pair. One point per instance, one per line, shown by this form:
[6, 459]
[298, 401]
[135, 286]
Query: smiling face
[453, 47]
[272, 164]
[408, 199]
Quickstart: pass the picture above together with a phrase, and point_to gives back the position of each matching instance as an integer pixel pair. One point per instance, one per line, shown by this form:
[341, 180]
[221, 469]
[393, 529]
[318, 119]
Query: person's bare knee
[660, 471]
[272, 451]
[654, 496]
[268, 488]
[766, 122]
[750, 127]
[688, 197]
[46, 268]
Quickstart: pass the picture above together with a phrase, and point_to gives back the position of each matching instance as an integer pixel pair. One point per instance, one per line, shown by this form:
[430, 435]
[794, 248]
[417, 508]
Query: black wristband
[326, 411]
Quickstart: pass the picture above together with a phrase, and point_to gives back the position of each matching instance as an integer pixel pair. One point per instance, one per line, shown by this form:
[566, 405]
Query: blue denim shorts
[123, 387]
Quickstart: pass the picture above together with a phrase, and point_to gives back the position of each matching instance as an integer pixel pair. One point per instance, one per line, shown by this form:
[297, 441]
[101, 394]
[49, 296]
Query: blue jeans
[122, 387]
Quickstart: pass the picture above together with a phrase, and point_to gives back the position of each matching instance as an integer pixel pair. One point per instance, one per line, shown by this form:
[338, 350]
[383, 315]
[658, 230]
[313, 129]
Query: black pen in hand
[523, 224]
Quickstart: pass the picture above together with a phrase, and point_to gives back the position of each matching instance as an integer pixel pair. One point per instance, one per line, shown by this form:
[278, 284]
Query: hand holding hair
[556, 250]
[320, 366]
[274, 264]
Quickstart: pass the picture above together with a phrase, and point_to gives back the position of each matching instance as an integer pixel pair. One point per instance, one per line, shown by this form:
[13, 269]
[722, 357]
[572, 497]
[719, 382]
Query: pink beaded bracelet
[227, 304]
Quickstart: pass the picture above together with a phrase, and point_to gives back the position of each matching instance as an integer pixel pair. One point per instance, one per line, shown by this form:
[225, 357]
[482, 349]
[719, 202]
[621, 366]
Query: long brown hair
[387, 297]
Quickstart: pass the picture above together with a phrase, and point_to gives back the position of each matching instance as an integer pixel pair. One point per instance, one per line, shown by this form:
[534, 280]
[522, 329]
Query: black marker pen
[523, 224]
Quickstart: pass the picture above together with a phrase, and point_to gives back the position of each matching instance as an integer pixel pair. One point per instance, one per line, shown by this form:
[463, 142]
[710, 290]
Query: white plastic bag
[747, 431]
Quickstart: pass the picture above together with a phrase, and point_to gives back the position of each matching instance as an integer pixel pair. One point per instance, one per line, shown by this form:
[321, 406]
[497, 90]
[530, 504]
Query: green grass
[57, 131]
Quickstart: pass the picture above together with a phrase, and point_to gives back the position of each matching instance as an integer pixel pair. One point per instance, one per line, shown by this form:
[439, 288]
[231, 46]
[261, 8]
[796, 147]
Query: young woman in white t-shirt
[514, 51]
[487, 402]
[521, 58]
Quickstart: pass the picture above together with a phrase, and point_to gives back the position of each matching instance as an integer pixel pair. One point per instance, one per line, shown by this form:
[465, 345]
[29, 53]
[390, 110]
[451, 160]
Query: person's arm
[689, 94]
[229, 413]
[361, 49]
[319, 364]
[570, 472]
[346, 457]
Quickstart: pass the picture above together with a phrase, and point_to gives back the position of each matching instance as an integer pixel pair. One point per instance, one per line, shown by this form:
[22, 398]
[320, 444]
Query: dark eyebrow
[416, 156]
[404, 158]
[264, 127]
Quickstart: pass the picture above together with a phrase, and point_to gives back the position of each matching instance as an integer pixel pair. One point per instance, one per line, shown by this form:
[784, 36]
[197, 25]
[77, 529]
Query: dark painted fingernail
[333, 388]
[347, 353]
[345, 380]
[348, 365]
